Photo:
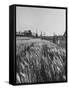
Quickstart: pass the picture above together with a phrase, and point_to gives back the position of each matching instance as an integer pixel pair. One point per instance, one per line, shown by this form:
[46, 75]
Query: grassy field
[39, 61]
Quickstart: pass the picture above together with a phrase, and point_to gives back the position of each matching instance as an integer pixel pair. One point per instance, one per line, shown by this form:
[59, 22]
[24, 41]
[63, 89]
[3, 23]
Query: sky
[46, 20]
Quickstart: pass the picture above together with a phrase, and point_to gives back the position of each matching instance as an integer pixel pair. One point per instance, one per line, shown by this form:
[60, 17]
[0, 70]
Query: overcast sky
[45, 20]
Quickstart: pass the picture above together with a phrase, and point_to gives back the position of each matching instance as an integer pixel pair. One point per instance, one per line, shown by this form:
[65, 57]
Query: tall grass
[40, 62]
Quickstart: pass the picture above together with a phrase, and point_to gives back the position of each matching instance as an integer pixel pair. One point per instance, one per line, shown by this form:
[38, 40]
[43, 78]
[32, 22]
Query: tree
[36, 35]
[55, 38]
[41, 35]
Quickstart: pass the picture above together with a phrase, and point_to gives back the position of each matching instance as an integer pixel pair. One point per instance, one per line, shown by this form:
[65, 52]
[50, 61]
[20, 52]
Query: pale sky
[45, 20]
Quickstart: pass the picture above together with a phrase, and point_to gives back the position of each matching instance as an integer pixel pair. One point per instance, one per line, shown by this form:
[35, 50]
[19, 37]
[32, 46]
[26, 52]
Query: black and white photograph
[41, 45]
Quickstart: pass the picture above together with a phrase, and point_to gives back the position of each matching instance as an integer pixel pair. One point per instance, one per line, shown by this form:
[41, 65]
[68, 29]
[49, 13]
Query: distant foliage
[27, 33]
